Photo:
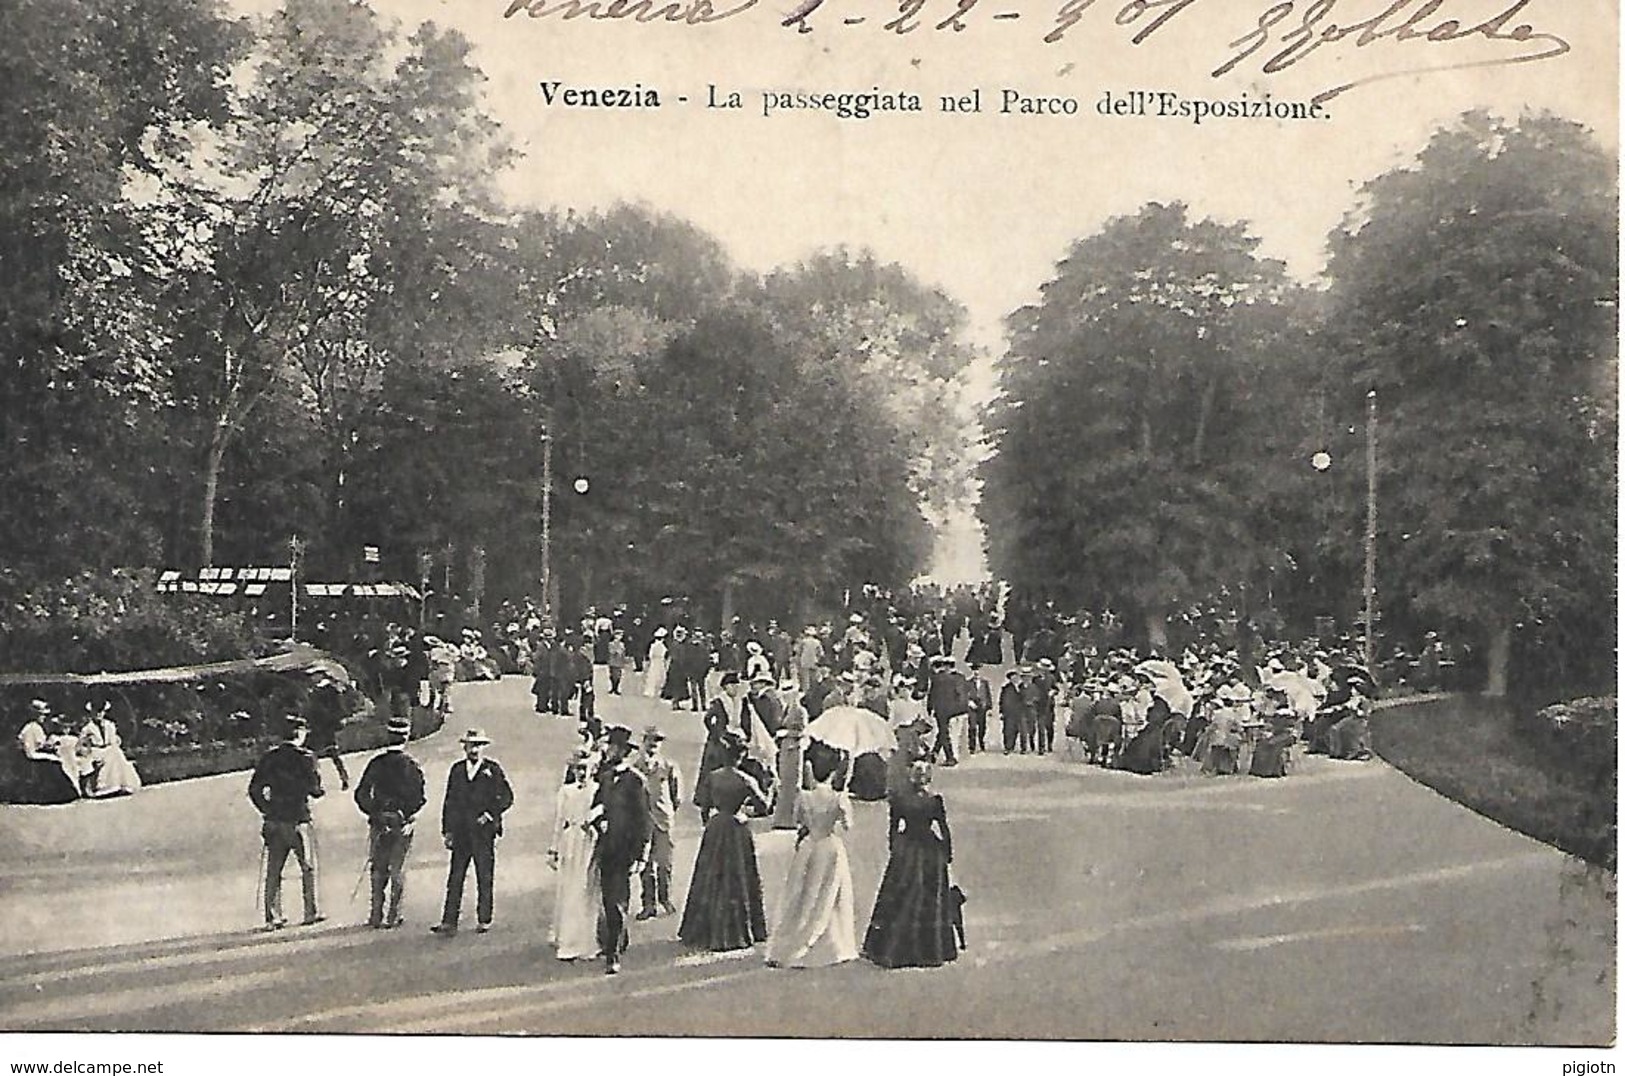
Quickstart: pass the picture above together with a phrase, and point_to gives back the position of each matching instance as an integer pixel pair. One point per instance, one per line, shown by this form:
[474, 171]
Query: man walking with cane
[390, 794]
[283, 784]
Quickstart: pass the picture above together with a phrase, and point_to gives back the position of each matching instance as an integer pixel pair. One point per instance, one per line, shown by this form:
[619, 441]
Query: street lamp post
[1370, 528]
[547, 525]
[1322, 461]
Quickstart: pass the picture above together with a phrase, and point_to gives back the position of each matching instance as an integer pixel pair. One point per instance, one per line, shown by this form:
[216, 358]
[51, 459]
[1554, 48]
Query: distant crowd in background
[943, 665]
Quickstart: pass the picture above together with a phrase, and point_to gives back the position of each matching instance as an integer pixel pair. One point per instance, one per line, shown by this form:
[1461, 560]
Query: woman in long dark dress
[724, 909]
[1147, 753]
[912, 925]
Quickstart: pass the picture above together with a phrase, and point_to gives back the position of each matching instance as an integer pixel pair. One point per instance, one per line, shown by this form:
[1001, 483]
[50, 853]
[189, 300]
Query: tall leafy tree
[1128, 429]
[899, 339]
[1476, 290]
[338, 219]
[83, 338]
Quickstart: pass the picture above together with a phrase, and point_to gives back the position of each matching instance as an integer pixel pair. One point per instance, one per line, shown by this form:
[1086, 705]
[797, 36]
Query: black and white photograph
[686, 523]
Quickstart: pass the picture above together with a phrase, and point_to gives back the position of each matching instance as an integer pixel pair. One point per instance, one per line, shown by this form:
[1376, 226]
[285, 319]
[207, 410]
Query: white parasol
[1168, 683]
[854, 730]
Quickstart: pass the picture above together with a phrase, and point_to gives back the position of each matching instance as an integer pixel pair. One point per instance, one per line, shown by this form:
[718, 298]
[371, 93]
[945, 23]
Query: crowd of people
[923, 662]
[1075, 686]
[613, 817]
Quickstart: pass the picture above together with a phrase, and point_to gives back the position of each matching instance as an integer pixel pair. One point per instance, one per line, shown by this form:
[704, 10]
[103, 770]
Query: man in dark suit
[981, 704]
[1013, 713]
[541, 671]
[947, 699]
[477, 793]
[283, 784]
[390, 793]
[561, 674]
[624, 827]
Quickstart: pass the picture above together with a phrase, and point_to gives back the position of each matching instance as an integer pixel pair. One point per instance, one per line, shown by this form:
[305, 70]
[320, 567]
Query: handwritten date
[1452, 34]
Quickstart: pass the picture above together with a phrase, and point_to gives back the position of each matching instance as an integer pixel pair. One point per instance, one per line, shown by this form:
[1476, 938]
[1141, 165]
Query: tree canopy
[260, 287]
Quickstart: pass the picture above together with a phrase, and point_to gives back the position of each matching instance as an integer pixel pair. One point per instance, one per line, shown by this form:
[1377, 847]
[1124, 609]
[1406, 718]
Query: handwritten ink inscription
[1423, 36]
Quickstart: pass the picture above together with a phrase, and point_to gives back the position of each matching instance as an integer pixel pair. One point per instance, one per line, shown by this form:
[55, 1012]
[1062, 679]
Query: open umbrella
[854, 730]
[1167, 682]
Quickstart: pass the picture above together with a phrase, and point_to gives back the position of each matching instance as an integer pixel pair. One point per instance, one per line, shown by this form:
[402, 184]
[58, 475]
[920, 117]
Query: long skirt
[724, 908]
[1222, 760]
[46, 782]
[111, 773]
[654, 678]
[913, 921]
[790, 757]
[1350, 738]
[1270, 756]
[1143, 753]
[816, 926]
[869, 778]
[577, 904]
[1191, 741]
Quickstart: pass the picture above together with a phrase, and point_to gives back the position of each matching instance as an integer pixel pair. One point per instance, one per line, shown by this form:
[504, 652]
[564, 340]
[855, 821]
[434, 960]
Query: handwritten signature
[1310, 28]
[1280, 37]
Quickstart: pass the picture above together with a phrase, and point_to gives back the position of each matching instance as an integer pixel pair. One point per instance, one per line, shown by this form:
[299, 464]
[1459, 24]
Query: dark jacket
[325, 709]
[392, 783]
[980, 694]
[949, 696]
[1012, 703]
[626, 824]
[473, 808]
[284, 783]
[769, 710]
[541, 660]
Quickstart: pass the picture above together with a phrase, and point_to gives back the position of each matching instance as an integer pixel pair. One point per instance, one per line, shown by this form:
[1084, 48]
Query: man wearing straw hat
[283, 784]
[662, 780]
[477, 793]
[390, 793]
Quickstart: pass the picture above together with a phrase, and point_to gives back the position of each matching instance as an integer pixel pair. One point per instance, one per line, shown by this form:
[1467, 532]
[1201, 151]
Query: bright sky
[984, 205]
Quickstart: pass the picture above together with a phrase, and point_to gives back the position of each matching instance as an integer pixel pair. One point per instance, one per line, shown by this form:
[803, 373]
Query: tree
[1476, 291]
[336, 220]
[1127, 434]
[896, 338]
[83, 340]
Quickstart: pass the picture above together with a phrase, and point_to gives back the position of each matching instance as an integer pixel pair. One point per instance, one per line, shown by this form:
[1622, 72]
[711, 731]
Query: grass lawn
[1474, 751]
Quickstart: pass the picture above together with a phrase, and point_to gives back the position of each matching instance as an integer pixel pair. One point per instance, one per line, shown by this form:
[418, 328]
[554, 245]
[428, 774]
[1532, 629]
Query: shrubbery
[111, 621]
[1583, 732]
[118, 621]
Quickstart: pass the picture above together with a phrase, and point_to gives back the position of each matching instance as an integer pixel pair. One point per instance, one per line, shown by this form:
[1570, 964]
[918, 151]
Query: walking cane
[360, 878]
[365, 865]
[259, 882]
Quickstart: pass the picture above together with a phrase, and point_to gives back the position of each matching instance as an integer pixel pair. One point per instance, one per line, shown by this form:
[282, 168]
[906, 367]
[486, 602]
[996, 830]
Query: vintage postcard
[1069, 520]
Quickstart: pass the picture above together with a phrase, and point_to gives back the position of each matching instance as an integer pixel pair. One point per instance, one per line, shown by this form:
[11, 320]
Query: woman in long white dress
[654, 673]
[107, 771]
[577, 903]
[817, 925]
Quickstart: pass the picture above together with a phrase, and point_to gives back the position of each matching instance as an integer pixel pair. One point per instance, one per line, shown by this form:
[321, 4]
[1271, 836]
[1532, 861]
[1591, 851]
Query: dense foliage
[259, 288]
[1160, 408]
